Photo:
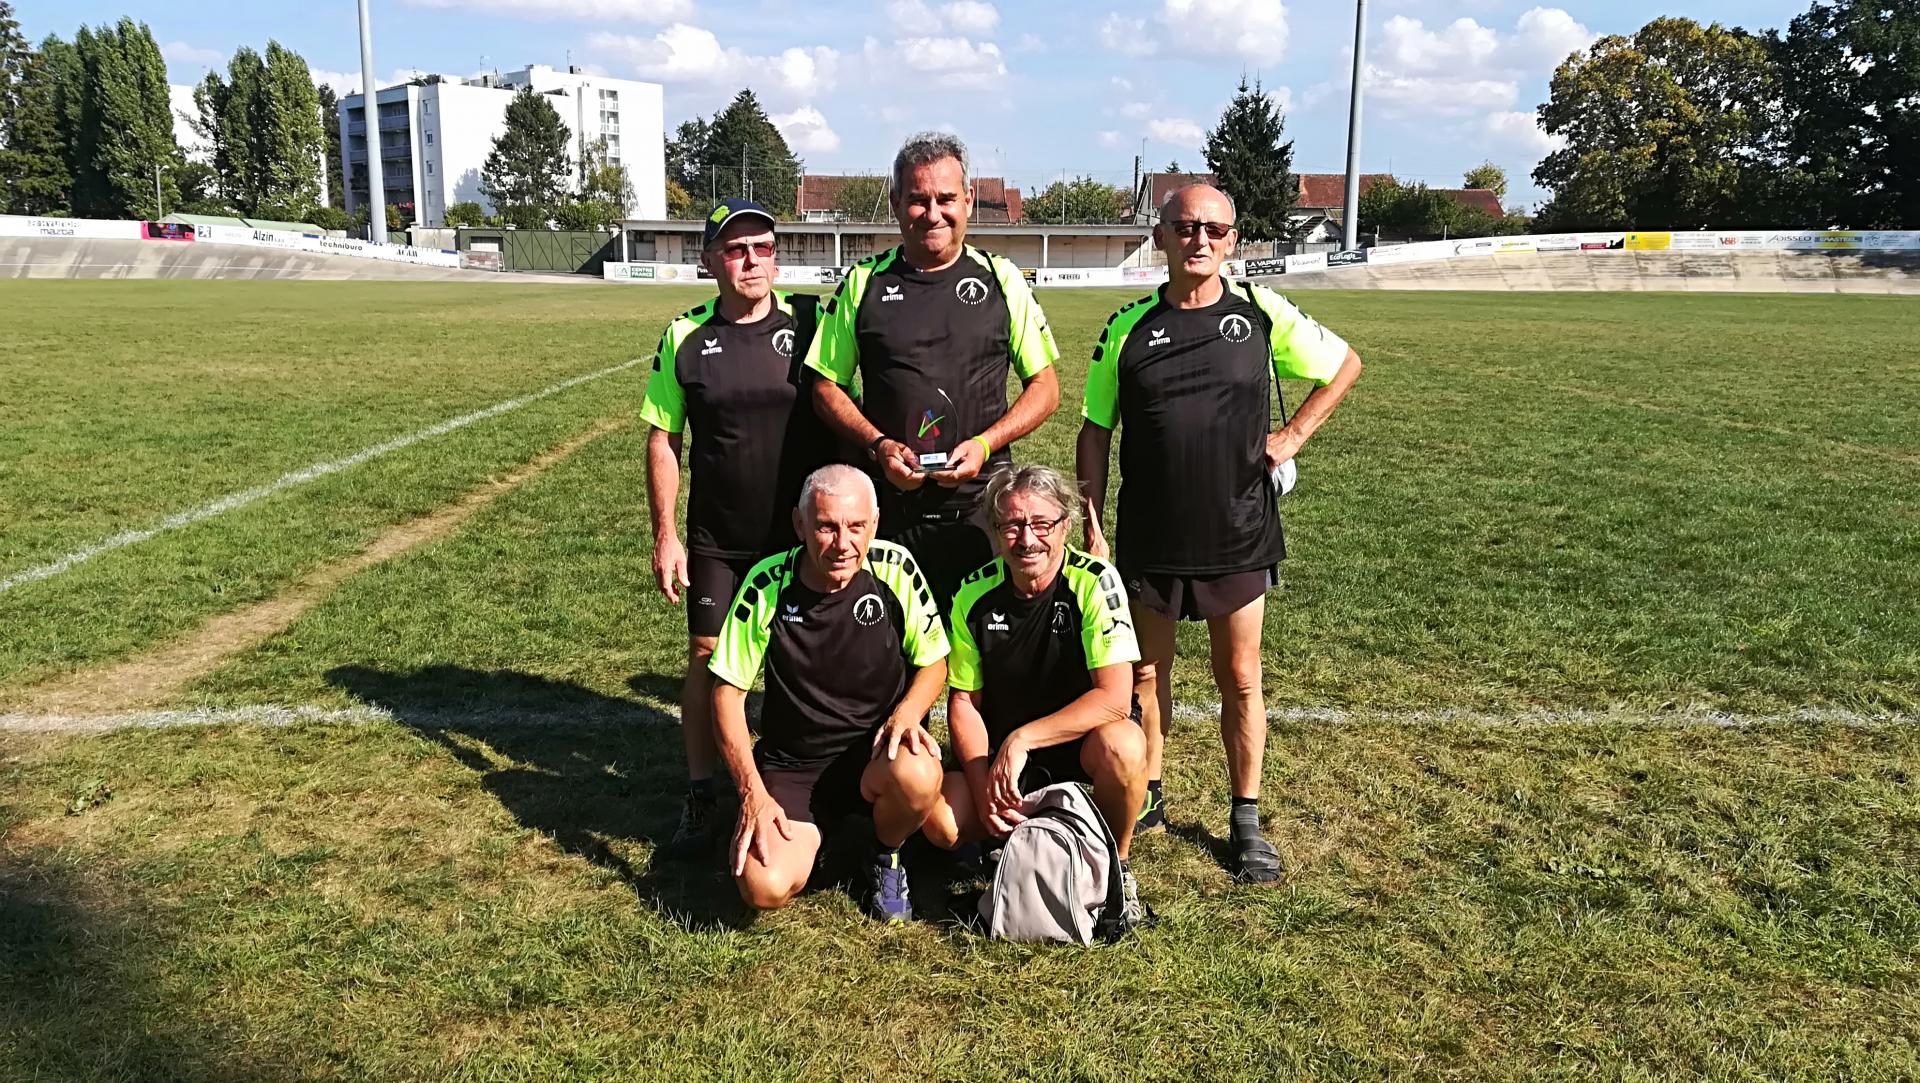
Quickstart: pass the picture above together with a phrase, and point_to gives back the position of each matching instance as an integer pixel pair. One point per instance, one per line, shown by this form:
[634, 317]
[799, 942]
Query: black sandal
[1255, 861]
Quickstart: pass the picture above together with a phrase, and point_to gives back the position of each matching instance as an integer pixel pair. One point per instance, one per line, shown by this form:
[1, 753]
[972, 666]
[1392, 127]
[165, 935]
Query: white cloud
[1030, 43]
[1523, 131]
[1136, 110]
[1112, 140]
[645, 11]
[691, 54]
[1124, 86]
[1178, 131]
[179, 52]
[806, 130]
[342, 82]
[955, 62]
[1252, 30]
[967, 17]
[1464, 68]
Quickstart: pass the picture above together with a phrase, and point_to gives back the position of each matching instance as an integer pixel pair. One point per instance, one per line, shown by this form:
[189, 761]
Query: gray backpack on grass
[1059, 874]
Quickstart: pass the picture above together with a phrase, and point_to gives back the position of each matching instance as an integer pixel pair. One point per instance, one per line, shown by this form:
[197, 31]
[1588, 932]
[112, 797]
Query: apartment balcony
[393, 123]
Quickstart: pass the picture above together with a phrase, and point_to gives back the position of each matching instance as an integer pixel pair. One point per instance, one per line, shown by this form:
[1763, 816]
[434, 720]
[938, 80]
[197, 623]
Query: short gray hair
[1032, 478]
[925, 148]
[838, 479]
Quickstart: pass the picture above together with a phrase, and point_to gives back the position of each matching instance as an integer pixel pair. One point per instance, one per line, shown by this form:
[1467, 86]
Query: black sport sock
[701, 790]
[1245, 817]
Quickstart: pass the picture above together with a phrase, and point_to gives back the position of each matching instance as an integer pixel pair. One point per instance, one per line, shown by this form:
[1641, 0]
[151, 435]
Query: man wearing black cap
[732, 367]
[931, 328]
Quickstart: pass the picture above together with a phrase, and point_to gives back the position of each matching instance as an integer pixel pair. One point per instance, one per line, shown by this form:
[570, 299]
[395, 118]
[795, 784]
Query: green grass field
[1547, 543]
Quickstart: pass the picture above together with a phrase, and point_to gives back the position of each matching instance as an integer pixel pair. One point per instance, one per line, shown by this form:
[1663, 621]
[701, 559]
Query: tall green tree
[1666, 129]
[232, 121]
[604, 195]
[1077, 201]
[330, 126]
[1393, 211]
[679, 203]
[1849, 74]
[34, 178]
[526, 175]
[862, 199]
[13, 58]
[291, 142]
[742, 140]
[1488, 176]
[1253, 163]
[687, 156]
[126, 143]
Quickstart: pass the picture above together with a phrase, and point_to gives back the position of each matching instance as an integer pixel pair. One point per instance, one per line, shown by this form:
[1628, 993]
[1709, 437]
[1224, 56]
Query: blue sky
[1035, 88]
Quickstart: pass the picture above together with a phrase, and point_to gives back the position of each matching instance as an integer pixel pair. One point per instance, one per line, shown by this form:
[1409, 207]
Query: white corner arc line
[298, 477]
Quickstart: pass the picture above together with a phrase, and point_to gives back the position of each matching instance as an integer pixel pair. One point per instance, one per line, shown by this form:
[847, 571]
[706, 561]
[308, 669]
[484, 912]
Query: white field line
[621, 713]
[299, 477]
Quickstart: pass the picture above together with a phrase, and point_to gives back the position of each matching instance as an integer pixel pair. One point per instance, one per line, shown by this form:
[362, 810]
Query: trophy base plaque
[932, 461]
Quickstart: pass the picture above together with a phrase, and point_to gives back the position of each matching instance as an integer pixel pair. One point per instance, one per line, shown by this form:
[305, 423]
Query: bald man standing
[1190, 372]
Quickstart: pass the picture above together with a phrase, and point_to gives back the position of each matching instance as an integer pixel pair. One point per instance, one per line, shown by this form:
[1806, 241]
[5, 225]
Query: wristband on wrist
[984, 446]
[873, 446]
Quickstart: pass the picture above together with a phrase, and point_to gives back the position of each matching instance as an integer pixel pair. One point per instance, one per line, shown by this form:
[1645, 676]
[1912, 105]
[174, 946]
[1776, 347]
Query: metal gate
[564, 251]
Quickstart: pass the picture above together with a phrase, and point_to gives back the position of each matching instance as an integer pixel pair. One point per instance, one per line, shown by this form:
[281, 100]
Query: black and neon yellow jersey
[1192, 391]
[932, 350]
[836, 664]
[1030, 657]
[755, 434]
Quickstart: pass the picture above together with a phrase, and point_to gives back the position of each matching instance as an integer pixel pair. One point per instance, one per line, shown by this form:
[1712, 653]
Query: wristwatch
[873, 449]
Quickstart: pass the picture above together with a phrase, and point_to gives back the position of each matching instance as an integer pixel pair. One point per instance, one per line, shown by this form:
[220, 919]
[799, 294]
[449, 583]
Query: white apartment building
[436, 131]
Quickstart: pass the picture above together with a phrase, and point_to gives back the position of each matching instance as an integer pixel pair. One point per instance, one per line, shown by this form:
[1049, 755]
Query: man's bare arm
[736, 744]
[1313, 412]
[1091, 452]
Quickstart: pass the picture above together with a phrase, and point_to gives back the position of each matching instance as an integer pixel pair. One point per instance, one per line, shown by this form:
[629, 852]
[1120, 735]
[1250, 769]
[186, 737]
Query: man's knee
[945, 828]
[700, 650]
[760, 889]
[1116, 750]
[916, 777]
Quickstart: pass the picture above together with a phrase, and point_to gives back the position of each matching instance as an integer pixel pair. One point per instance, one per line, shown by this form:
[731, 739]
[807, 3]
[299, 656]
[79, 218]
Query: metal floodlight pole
[1352, 210]
[370, 112]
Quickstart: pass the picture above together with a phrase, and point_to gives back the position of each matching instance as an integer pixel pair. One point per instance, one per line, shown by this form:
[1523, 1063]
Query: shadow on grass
[593, 772]
[79, 998]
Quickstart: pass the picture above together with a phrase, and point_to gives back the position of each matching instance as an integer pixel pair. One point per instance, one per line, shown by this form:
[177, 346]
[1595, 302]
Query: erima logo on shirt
[792, 615]
[713, 346]
[1235, 328]
[998, 623]
[1159, 337]
[892, 294]
[783, 342]
[867, 610]
[971, 291]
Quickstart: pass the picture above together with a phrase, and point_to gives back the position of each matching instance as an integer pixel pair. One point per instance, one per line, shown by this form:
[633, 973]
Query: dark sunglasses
[1185, 228]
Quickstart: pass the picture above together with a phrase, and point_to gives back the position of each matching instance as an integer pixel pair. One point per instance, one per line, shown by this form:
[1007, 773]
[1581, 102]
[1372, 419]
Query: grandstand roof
[993, 200]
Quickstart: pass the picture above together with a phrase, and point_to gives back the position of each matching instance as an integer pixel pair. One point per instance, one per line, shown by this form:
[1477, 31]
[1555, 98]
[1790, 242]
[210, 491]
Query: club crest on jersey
[783, 342]
[867, 610]
[713, 346]
[971, 291]
[1062, 617]
[1235, 328]
[1159, 337]
[891, 293]
[998, 623]
[792, 615]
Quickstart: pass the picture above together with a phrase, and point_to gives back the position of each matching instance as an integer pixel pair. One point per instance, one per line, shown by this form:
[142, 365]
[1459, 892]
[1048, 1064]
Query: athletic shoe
[695, 831]
[1153, 814]
[888, 899]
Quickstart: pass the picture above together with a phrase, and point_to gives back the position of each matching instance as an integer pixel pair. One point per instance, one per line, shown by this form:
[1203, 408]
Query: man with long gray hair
[931, 328]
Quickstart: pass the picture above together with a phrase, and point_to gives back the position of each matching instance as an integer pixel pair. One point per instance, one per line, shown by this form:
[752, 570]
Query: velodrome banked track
[65, 257]
[1679, 272]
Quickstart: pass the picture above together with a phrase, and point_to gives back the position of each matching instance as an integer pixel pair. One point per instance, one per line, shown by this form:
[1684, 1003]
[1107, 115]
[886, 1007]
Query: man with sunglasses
[931, 328]
[1040, 675]
[1190, 372]
[732, 367]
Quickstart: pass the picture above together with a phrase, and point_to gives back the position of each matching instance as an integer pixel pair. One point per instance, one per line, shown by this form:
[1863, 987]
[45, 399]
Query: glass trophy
[932, 432]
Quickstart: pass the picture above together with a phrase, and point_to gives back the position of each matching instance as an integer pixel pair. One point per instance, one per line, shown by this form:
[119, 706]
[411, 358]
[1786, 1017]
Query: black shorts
[715, 581]
[946, 551]
[1060, 763]
[822, 793]
[1200, 597]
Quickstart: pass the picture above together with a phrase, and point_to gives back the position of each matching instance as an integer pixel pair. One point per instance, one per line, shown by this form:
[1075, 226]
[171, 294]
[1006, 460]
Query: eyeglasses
[738, 250]
[1185, 228]
[1042, 528]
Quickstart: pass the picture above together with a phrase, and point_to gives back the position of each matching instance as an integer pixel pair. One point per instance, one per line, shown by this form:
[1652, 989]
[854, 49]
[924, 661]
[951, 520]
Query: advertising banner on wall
[1311, 261]
[1276, 265]
[1350, 258]
[91, 229]
[166, 231]
[1649, 242]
